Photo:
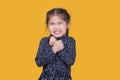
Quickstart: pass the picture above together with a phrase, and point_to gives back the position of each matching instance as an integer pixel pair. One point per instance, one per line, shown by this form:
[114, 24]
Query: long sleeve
[44, 54]
[68, 54]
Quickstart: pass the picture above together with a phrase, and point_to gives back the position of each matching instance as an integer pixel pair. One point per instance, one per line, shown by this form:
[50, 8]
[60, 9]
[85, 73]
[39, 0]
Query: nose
[56, 26]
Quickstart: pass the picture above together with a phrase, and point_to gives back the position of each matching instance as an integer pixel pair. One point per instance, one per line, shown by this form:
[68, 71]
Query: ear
[68, 24]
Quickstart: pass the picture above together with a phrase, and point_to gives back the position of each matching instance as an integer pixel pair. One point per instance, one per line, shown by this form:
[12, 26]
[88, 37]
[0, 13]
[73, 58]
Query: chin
[57, 36]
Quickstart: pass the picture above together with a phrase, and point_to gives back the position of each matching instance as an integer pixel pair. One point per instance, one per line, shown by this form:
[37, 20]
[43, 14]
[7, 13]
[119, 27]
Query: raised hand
[52, 41]
[58, 45]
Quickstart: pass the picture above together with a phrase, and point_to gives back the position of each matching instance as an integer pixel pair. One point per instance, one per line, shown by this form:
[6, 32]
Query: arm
[68, 54]
[44, 54]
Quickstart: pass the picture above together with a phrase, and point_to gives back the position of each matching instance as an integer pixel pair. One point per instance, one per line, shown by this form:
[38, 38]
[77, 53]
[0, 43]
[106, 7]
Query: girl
[57, 52]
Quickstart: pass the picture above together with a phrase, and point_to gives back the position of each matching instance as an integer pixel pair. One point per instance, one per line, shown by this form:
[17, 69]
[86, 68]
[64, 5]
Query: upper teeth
[57, 32]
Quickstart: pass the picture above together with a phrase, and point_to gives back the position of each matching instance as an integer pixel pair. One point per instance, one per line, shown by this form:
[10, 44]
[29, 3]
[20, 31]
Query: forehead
[56, 18]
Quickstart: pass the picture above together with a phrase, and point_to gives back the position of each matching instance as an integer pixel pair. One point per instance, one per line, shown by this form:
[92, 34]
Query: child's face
[57, 26]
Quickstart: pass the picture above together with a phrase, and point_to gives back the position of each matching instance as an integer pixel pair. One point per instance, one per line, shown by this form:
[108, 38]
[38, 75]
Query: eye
[60, 23]
[51, 23]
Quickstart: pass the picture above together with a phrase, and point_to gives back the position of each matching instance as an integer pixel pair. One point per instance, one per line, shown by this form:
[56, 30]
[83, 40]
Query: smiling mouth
[56, 32]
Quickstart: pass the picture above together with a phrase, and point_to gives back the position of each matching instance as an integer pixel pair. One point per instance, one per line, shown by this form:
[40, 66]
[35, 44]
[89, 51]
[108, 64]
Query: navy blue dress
[56, 66]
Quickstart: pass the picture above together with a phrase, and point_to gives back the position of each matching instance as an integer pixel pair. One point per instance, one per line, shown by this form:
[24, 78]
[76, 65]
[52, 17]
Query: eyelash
[52, 24]
[58, 23]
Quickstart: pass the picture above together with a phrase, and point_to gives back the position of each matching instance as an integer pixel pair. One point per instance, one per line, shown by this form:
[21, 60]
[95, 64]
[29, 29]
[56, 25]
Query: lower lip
[57, 32]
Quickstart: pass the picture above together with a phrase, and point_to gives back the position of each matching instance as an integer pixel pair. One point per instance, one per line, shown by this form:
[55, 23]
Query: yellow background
[95, 24]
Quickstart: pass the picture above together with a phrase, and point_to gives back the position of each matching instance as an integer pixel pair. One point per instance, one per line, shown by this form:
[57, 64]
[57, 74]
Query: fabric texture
[56, 66]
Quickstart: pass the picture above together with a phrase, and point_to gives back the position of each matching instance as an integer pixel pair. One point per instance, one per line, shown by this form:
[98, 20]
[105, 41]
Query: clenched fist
[57, 45]
[52, 41]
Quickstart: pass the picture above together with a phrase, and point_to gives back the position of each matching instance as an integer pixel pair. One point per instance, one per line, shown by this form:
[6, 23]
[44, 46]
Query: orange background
[95, 24]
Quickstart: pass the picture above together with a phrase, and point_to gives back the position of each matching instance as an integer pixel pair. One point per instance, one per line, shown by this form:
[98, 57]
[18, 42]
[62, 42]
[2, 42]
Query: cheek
[50, 28]
[64, 28]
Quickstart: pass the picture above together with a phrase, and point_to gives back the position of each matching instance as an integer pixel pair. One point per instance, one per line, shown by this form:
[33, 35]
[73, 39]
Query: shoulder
[70, 42]
[71, 39]
[44, 39]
